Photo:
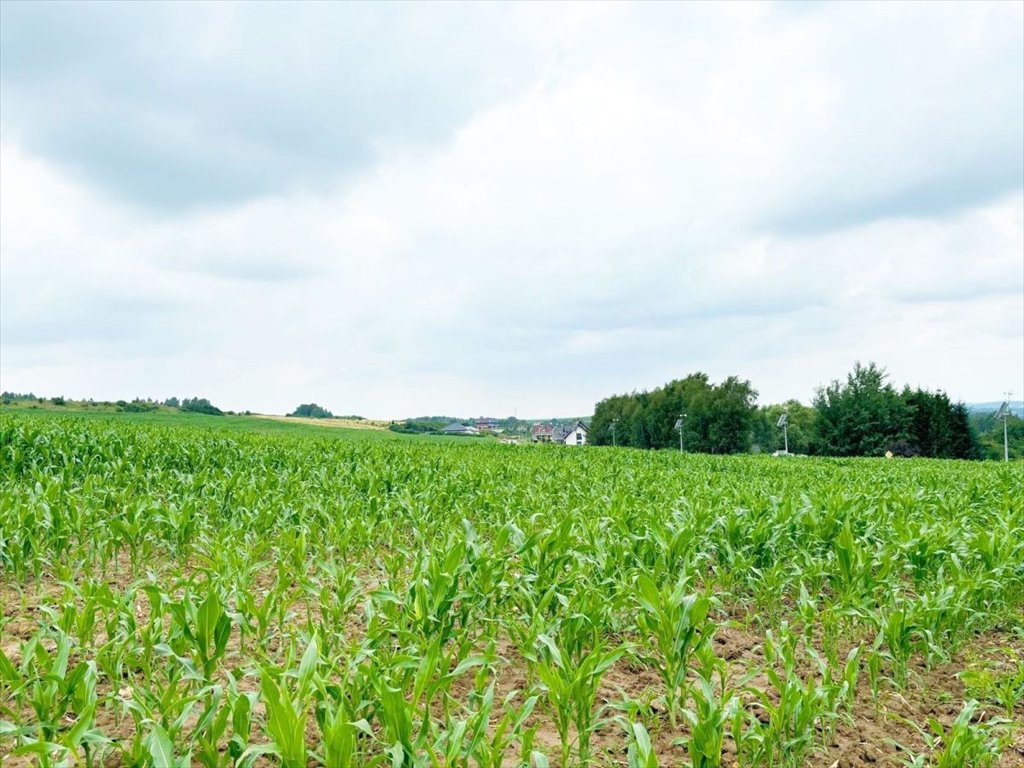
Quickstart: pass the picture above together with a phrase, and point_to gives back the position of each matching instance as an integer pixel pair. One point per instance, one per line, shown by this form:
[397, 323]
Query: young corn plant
[402, 688]
[897, 631]
[491, 747]
[854, 563]
[164, 710]
[288, 708]
[53, 692]
[675, 625]
[83, 736]
[342, 720]
[201, 630]
[570, 686]
[875, 659]
[836, 694]
[715, 709]
[241, 705]
[640, 752]
[791, 713]
[965, 744]
[1001, 684]
[160, 746]
[55, 696]
[404, 745]
[211, 728]
[342, 738]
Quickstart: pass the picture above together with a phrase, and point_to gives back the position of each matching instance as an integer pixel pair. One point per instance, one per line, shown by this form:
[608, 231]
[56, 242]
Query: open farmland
[177, 595]
[331, 422]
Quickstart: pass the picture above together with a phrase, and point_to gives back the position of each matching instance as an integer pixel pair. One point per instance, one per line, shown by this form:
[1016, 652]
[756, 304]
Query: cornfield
[178, 596]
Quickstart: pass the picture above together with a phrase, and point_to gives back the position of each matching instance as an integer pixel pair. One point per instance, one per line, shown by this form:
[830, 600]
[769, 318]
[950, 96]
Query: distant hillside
[1016, 407]
[510, 425]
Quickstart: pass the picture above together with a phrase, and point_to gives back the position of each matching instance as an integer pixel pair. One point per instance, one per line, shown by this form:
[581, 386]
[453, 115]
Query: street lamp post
[784, 423]
[1004, 414]
[680, 423]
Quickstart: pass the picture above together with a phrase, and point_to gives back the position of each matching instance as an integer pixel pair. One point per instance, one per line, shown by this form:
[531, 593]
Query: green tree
[939, 428]
[312, 411]
[730, 416]
[620, 411]
[863, 416]
[718, 418]
[200, 405]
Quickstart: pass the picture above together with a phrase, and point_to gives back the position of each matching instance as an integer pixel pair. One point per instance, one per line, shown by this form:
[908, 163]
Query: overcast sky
[404, 209]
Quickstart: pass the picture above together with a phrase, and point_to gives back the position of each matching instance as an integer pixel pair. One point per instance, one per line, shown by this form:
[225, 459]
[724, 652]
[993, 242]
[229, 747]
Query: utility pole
[784, 423]
[680, 422]
[614, 422]
[1004, 414]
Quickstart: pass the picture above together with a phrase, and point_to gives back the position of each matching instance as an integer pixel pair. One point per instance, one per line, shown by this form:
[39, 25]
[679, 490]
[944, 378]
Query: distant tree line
[137, 405]
[864, 415]
[718, 418]
[9, 397]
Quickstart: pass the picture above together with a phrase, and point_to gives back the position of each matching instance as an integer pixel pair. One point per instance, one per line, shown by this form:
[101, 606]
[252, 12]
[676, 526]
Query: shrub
[312, 411]
[200, 405]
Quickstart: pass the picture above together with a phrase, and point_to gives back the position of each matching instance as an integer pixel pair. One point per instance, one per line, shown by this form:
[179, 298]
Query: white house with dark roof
[575, 434]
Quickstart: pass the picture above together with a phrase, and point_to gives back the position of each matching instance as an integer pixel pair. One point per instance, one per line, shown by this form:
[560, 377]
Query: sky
[491, 209]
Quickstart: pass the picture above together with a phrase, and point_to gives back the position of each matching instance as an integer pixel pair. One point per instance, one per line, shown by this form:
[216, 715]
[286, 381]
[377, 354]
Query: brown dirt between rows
[870, 740]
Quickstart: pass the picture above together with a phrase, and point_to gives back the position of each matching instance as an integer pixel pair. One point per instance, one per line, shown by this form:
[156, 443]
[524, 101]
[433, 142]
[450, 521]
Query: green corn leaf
[160, 747]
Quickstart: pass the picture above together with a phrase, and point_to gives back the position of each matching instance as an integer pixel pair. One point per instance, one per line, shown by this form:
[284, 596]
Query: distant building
[459, 429]
[541, 433]
[575, 434]
[487, 425]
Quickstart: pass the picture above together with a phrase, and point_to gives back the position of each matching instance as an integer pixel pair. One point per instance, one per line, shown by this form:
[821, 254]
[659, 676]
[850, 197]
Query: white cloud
[750, 190]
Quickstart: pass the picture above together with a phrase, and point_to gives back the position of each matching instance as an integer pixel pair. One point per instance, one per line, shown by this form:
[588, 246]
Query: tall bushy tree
[939, 428]
[863, 416]
[964, 442]
[866, 416]
[730, 417]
